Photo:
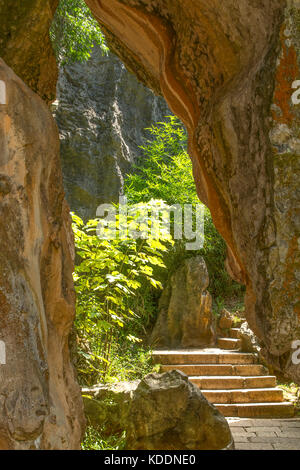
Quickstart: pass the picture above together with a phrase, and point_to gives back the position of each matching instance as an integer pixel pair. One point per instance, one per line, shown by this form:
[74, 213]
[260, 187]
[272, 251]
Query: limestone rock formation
[25, 45]
[185, 318]
[230, 71]
[226, 320]
[102, 112]
[250, 342]
[162, 412]
[40, 403]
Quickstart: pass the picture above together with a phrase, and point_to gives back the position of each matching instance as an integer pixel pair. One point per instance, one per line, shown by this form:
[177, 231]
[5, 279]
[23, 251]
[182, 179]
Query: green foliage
[109, 278]
[129, 361]
[74, 32]
[165, 172]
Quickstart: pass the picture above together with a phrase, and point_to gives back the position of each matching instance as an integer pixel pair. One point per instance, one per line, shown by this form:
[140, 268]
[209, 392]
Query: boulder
[226, 320]
[185, 318]
[250, 342]
[160, 412]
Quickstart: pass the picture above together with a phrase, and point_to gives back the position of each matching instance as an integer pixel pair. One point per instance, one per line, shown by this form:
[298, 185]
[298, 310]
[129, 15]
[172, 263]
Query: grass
[97, 440]
[291, 392]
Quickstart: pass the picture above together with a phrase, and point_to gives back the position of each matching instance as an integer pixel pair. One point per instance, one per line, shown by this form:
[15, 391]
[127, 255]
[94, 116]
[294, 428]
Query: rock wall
[220, 68]
[25, 44]
[40, 403]
[102, 112]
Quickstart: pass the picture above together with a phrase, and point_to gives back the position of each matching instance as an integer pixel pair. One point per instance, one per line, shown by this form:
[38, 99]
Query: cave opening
[117, 138]
[230, 76]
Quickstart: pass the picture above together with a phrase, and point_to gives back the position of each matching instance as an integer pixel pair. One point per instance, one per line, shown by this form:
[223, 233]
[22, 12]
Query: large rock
[250, 342]
[25, 44]
[185, 318]
[40, 403]
[160, 412]
[102, 112]
[230, 70]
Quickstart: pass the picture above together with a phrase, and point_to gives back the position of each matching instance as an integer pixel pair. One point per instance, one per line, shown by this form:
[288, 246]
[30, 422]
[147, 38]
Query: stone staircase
[232, 380]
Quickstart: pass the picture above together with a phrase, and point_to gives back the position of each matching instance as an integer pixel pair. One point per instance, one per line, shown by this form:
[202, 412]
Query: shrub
[110, 278]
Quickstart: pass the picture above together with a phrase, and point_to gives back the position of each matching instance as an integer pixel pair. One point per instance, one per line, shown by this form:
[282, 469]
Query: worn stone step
[218, 369]
[229, 343]
[233, 382]
[253, 395]
[257, 410]
[202, 356]
[234, 333]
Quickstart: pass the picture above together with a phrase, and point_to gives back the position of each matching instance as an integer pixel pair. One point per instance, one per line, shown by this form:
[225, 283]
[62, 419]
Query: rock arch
[229, 70]
[217, 66]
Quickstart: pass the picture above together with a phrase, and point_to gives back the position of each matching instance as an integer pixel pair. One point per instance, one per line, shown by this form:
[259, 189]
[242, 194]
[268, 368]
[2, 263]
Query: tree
[74, 32]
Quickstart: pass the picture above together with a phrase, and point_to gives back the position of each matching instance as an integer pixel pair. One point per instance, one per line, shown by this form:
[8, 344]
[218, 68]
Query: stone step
[218, 369]
[257, 410]
[233, 382]
[234, 333]
[250, 395]
[229, 343]
[209, 356]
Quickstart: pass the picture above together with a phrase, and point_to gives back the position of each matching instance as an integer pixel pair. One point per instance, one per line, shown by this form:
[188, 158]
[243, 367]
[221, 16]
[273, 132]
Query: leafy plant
[108, 277]
[74, 32]
[164, 170]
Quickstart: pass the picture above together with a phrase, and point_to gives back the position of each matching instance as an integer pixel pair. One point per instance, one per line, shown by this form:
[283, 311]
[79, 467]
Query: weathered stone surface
[220, 68]
[160, 412]
[25, 44]
[102, 112]
[226, 320]
[185, 318]
[250, 342]
[40, 404]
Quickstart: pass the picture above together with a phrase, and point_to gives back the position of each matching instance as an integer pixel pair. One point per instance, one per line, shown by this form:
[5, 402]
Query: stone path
[230, 379]
[265, 434]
